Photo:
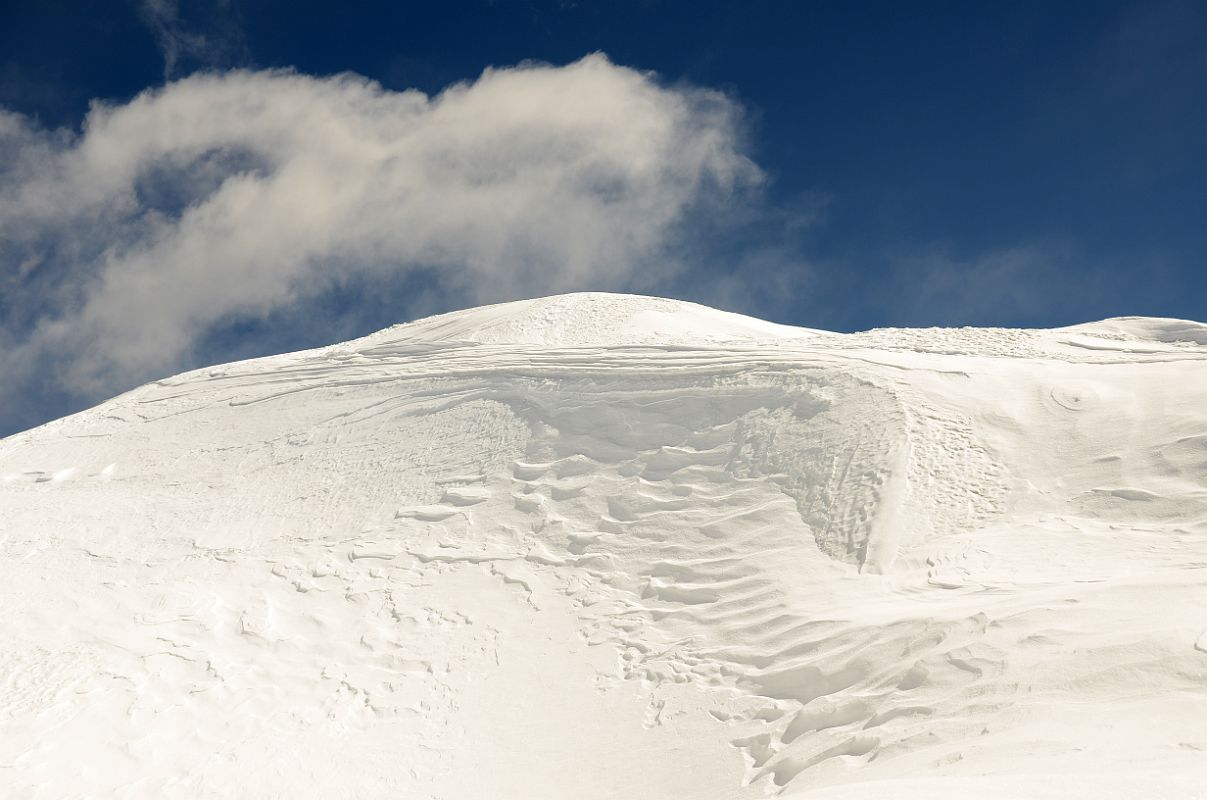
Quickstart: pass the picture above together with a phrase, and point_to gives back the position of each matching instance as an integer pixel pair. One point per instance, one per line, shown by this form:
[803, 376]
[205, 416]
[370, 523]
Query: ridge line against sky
[183, 184]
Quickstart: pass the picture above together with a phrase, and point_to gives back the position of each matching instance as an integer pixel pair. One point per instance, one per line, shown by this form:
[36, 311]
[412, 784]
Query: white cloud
[240, 193]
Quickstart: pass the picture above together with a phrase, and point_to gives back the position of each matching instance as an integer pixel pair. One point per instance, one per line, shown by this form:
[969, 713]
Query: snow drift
[604, 546]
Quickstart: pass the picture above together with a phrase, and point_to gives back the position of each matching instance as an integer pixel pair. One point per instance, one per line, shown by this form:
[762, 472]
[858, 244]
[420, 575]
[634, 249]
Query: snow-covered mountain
[604, 546]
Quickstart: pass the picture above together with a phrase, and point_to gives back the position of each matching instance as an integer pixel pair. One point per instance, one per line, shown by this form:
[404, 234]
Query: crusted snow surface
[601, 546]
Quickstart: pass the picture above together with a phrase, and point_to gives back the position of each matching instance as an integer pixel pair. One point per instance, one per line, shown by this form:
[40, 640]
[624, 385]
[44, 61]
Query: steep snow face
[609, 546]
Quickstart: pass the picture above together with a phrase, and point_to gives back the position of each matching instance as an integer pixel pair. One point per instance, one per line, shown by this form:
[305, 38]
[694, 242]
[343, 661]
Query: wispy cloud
[934, 286]
[210, 38]
[237, 195]
[1045, 283]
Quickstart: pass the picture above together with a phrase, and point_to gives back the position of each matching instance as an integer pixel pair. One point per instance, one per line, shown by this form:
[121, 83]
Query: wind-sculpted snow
[609, 546]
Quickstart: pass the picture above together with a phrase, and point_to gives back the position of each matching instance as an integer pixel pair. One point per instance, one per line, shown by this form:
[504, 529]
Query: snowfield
[605, 546]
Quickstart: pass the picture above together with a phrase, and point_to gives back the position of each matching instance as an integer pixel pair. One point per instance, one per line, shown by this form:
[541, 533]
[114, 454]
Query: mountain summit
[602, 546]
[593, 319]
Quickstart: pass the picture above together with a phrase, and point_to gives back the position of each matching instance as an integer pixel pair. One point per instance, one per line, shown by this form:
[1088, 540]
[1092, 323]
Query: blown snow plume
[231, 196]
[604, 546]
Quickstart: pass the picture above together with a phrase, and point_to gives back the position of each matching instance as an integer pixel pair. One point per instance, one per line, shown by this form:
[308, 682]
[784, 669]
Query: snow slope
[599, 546]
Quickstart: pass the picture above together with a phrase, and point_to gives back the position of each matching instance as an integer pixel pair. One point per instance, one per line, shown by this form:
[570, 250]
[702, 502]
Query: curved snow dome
[593, 319]
[1146, 328]
[602, 546]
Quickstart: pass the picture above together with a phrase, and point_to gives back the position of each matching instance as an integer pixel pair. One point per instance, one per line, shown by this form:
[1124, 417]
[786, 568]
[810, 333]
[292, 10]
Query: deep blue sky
[1020, 163]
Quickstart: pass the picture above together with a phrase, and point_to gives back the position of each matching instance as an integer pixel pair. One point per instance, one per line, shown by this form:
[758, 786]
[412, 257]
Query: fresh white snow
[605, 546]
